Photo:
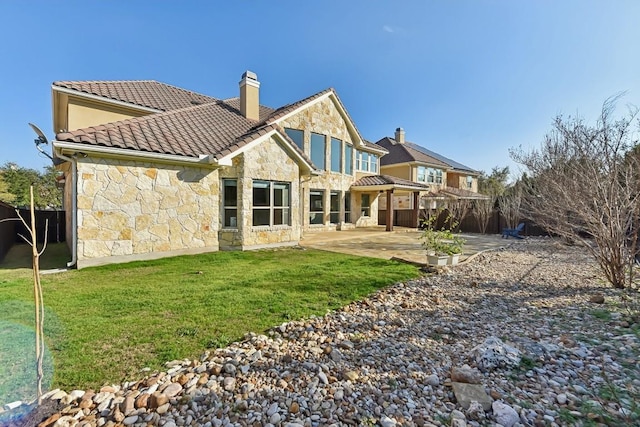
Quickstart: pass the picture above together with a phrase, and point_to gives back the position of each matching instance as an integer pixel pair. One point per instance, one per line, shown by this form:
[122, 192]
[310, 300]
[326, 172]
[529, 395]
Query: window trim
[226, 207]
[324, 150]
[340, 155]
[272, 207]
[313, 210]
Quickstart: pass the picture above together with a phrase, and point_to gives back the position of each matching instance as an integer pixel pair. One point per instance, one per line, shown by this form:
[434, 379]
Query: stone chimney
[400, 136]
[250, 95]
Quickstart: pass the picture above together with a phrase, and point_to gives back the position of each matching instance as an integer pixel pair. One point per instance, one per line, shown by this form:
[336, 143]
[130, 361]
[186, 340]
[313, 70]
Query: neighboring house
[447, 179]
[152, 170]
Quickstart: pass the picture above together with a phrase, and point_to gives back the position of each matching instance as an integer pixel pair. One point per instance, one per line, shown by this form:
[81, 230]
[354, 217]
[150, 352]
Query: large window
[348, 157]
[347, 207]
[430, 175]
[318, 150]
[316, 207]
[271, 203]
[366, 162]
[297, 136]
[365, 205]
[230, 203]
[334, 214]
[336, 155]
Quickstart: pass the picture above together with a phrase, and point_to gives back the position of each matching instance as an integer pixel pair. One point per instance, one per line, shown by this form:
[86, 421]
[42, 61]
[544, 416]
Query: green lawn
[104, 324]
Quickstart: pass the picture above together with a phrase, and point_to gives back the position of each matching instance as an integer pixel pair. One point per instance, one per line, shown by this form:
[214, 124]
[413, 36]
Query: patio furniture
[513, 232]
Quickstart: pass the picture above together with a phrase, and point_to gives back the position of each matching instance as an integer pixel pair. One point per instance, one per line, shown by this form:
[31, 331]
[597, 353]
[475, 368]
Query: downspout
[74, 208]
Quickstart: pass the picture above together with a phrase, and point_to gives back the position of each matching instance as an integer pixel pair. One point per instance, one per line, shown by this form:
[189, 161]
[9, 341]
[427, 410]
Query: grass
[104, 324]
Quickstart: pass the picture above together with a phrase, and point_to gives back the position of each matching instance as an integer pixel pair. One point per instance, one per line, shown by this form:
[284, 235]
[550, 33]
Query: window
[422, 174]
[365, 205]
[434, 175]
[230, 203]
[316, 207]
[336, 155]
[297, 136]
[347, 207]
[348, 157]
[318, 150]
[271, 203]
[334, 214]
[366, 162]
[469, 182]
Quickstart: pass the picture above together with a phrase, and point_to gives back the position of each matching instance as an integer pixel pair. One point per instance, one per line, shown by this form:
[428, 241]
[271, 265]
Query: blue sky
[467, 79]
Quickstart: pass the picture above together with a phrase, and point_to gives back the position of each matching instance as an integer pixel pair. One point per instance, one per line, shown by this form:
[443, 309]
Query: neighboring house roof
[410, 152]
[144, 93]
[460, 193]
[388, 181]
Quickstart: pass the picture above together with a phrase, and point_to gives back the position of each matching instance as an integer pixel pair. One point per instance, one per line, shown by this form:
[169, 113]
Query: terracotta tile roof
[410, 152]
[214, 128]
[145, 93]
[204, 129]
[265, 112]
[375, 180]
[190, 125]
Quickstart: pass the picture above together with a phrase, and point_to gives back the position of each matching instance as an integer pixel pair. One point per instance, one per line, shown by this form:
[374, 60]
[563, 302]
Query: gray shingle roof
[410, 152]
[145, 93]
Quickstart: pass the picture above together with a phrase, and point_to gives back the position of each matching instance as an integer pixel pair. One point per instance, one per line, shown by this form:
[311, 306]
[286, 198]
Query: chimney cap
[399, 130]
[249, 75]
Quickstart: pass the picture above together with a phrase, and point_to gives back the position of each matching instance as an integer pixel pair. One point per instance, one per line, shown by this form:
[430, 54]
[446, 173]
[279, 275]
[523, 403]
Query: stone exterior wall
[267, 161]
[130, 210]
[324, 118]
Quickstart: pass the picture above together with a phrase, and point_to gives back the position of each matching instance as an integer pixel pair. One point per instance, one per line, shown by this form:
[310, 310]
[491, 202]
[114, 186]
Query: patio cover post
[390, 210]
[416, 208]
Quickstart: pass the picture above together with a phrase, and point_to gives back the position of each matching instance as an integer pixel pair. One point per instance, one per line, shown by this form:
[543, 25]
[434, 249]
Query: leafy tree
[495, 183]
[584, 185]
[5, 195]
[18, 181]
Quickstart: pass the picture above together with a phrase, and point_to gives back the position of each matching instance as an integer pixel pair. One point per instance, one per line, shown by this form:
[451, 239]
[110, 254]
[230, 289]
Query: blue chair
[513, 232]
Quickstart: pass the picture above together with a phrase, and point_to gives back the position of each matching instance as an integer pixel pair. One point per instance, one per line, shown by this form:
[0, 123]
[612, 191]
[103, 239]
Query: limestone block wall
[324, 118]
[129, 209]
[268, 161]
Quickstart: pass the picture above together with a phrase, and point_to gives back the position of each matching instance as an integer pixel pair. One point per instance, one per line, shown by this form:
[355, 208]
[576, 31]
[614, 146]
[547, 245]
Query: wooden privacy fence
[404, 218]
[10, 230]
[7, 229]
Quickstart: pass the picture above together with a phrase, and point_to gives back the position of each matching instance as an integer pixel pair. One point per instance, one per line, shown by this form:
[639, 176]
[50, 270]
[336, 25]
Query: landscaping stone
[402, 355]
[467, 393]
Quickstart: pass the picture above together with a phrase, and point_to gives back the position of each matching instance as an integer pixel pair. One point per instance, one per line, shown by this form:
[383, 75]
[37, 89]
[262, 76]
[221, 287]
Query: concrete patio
[402, 243]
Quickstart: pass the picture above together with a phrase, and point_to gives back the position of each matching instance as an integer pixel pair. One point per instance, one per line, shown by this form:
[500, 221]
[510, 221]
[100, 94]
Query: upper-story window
[348, 157]
[318, 150]
[336, 155]
[469, 182]
[366, 162]
[430, 175]
[297, 136]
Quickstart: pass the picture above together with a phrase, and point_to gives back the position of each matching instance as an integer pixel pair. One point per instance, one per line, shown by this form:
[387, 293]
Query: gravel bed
[408, 354]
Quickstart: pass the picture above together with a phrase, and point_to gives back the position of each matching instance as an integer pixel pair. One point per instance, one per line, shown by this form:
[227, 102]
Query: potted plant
[443, 246]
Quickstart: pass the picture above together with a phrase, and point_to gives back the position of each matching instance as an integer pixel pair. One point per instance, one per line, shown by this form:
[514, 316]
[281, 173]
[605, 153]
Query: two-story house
[447, 179]
[152, 170]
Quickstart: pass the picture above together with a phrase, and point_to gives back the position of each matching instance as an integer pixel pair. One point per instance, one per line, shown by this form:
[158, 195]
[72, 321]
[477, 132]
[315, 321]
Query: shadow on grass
[19, 256]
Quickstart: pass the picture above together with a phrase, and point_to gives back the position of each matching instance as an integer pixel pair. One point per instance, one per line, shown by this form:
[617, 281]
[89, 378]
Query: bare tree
[585, 186]
[482, 211]
[37, 286]
[458, 210]
[509, 204]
